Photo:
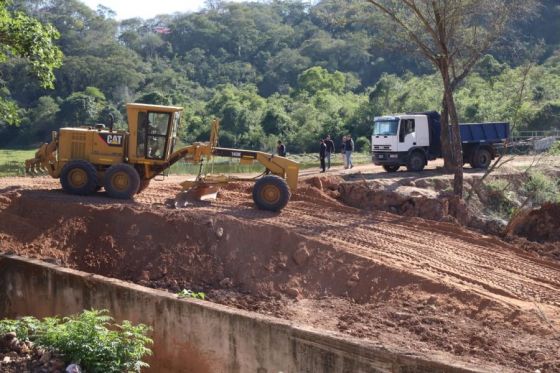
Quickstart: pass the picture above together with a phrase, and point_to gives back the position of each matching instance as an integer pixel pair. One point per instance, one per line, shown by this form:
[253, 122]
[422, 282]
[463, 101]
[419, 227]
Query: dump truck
[123, 162]
[413, 139]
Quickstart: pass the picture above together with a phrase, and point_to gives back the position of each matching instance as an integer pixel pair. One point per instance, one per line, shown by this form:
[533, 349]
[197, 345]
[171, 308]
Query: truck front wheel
[481, 159]
[416, 162]
[391, 168]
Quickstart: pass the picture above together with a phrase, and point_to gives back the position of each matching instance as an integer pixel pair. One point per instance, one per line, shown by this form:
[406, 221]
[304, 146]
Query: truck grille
[382, 147]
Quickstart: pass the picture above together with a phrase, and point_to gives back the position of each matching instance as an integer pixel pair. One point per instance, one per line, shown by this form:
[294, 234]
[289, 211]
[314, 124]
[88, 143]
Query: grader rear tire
[271, 193]
[122, 181]
[78, 177]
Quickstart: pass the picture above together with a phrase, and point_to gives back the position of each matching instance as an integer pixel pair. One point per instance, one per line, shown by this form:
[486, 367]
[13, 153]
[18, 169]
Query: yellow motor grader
[87, 159]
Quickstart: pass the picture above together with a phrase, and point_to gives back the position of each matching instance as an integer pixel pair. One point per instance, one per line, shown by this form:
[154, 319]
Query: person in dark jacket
[349, 148]
[343, 150]
[281, 149]
[330, 149]
[323, 154]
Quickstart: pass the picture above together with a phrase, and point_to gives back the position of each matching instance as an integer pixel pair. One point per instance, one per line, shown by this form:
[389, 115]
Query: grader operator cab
[87, 159]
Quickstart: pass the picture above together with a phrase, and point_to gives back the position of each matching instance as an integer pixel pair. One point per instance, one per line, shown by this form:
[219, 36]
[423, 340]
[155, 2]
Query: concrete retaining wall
[196, 336]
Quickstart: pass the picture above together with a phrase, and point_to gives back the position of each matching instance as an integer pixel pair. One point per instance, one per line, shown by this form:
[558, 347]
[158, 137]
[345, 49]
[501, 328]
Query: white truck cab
[395, 136]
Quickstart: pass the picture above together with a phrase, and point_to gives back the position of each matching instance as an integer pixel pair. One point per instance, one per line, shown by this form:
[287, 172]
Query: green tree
[25, 37]
[317, 78]
[79, 109]
[154, 98]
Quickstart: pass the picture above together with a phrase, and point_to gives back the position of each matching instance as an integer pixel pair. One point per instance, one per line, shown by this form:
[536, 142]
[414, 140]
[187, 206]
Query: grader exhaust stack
[87, 159]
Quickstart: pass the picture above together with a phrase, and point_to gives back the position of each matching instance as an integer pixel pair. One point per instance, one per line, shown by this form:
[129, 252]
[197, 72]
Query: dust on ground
[410, 283]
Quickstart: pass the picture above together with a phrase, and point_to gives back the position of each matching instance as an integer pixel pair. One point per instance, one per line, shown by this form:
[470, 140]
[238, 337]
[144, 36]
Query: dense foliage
[25, 38]
[90, 339]
[277, 69]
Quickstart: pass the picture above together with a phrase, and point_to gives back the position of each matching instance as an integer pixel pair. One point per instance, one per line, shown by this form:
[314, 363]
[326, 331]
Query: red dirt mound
[539, 225]
[408, 283]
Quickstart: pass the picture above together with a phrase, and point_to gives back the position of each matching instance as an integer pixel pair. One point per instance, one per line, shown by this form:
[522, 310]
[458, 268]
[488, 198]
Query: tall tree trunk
[455, 147]
[444, 137]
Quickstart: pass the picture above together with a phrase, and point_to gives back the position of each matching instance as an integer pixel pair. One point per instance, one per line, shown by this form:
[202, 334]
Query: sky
[147, 8]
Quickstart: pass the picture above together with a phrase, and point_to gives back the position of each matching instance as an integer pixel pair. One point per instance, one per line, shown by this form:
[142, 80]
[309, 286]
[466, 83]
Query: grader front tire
[271, 193]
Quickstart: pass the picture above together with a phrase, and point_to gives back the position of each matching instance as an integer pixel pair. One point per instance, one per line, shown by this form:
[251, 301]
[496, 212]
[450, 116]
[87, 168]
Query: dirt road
[409, 283]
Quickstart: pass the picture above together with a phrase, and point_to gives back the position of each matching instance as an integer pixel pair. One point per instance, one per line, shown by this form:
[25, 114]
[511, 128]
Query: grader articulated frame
[87, 159]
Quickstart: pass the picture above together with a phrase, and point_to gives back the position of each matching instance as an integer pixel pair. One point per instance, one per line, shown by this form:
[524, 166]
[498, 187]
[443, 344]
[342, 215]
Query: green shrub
[555, 149]
[191, 294]
[541, 188]
[24, 327]
[363, 144]
[90, 339]
[500, 199]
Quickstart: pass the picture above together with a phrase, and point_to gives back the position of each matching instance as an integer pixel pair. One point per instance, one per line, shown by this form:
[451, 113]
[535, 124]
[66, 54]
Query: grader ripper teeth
[86, 159]
[44, 159]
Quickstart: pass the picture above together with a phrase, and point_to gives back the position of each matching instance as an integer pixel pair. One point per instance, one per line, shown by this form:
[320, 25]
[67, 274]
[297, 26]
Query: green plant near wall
[90, 339]
[191, 294]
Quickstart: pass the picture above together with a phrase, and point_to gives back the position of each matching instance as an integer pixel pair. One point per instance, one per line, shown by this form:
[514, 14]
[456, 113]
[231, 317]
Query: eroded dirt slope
[411, 284]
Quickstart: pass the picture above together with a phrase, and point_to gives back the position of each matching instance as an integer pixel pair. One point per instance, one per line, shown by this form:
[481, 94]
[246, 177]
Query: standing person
[323, 154]
[348, 149]
[330, 149]
[281, 149]
[343, 151]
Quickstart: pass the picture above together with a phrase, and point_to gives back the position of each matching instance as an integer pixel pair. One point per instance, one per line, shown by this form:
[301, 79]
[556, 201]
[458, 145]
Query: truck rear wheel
[78, 177]
[122, 181]
[271, 193]
[391, 168]
[481, 158]
[416, 162]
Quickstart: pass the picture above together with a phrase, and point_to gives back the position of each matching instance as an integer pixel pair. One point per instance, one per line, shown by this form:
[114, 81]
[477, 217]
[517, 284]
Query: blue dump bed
[484, 132]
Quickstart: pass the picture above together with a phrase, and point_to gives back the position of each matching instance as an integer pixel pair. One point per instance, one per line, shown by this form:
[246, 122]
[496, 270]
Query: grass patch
[12, 163]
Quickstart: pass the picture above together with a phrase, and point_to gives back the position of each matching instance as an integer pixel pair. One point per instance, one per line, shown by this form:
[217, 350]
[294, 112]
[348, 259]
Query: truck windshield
[385, 127]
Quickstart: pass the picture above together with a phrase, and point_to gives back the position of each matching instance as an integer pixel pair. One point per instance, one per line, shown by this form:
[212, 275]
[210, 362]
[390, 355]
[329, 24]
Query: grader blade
[203, 192]
[205, 188]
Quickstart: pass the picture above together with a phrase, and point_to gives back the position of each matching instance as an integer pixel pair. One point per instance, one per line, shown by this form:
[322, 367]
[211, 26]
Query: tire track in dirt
[493, 267]
[434, 250]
